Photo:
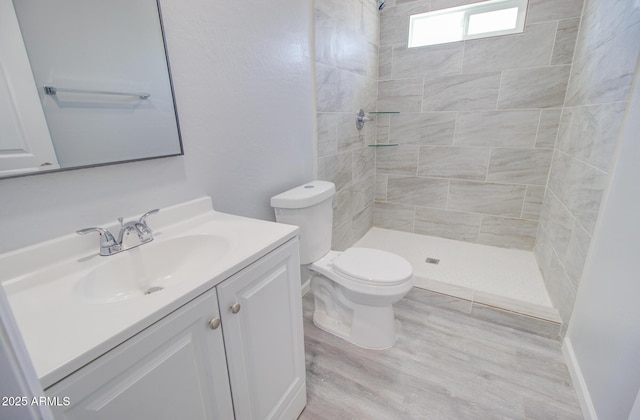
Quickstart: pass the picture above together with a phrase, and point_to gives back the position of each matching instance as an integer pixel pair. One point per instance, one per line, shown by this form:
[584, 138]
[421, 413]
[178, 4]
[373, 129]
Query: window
[478, 20]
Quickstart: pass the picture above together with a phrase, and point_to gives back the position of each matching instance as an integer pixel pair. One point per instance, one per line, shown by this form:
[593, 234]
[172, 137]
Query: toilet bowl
[354, 290]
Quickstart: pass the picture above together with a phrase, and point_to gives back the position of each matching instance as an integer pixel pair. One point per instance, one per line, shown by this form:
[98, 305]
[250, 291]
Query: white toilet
[354, 291]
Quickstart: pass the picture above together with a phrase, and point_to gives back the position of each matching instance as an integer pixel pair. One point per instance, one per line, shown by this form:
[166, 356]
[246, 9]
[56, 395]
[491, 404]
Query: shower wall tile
[384, 63]
[557, 223]
[453, 162]
[399, 160]
[508, 233]
[532, 48]
[565, 42]
[546, 10]
[336, 168]
[327, 134]
[586, 186]
[533, 202]
[346, 62]
[431, 128]
[486, 198]
[606, 73]
[497, 128]
[548, 128]
[393, 216]
[427, 192]
[394, 22]
[445, 4]
[400, 95]
[590, 133]
[363, 163]
[447, 224]
[523, 166]
[464, 92]
[381, 187]
[542, 87]
[428, 61]
[576, 254]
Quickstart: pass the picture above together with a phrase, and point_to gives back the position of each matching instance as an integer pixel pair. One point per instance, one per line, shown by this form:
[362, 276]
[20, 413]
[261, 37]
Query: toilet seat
[373, 267]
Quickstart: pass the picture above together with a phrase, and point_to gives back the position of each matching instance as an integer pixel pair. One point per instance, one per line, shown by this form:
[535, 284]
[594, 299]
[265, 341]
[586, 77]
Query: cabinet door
[175, 369]
[263, 336]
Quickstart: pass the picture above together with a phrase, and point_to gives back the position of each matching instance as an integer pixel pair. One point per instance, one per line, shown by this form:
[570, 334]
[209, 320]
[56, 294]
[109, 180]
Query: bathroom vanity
[203, 322]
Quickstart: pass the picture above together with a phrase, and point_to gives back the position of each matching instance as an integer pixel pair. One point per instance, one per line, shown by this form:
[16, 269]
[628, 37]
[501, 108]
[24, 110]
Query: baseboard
[579, 384]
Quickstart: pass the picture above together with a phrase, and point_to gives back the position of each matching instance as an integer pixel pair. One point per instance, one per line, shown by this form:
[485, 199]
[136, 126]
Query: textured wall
[603, 70]
[242, 73]
[477, 125]
[346, 51]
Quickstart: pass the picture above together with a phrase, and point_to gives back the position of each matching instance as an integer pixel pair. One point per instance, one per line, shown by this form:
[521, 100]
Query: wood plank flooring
[445, 365]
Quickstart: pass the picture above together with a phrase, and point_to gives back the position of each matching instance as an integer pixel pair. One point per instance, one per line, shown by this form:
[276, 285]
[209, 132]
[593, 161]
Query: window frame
[474, 9]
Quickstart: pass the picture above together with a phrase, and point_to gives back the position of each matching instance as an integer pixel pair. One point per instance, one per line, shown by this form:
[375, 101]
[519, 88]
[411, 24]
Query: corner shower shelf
[383, 112]
[382, 144]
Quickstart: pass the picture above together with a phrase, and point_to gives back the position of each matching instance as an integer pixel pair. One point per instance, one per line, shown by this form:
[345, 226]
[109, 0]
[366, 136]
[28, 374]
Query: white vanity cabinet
[189, 366]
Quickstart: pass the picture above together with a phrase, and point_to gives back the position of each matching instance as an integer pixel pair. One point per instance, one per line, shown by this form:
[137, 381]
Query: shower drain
[430, 260]
[153, 290]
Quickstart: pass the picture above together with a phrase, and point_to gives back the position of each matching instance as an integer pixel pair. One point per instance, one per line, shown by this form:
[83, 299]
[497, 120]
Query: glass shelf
[383, 112]
[382, 144]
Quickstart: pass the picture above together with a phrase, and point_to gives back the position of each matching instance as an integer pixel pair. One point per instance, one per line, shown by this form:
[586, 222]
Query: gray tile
[508, 233]
[454, 162]
[394, 22]
[532, 48]
[548, 128]
[542, 87]
[590, 133]
[381, 187]
[533, 202]
[447, 224]
[327, 138]
[565, 42]
[385, 60]
[517, 321]
[422, 128]
[557, 223]
[463, 92]
[348, 137]
[576, 254]
[400, 95]
[606, 73]
[487, 198]
[497, 128]
[364, 161]
[428, 61]
[586, 186]
[519, 166]
[428, 192]
[336, 168]
[445, 4]
[545, 10]
[393, 216]
[558, 175]
[334, 89]
[399, 160]
[562, 294]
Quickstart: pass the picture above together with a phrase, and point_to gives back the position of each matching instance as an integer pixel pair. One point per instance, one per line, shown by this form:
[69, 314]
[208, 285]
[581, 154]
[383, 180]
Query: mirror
[83, 83]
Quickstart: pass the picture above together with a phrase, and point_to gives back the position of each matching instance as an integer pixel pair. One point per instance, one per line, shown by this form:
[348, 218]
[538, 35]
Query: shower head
[381, 4]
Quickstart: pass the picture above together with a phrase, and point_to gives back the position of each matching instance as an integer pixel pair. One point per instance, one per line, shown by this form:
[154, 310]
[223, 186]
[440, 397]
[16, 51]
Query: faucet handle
[108, 244]
[143, 218]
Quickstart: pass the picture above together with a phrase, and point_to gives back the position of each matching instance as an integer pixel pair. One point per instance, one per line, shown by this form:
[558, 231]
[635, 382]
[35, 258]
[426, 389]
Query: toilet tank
[310, 207]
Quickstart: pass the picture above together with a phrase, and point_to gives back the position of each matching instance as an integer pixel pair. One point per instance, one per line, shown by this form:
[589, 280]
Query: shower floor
[498, 277]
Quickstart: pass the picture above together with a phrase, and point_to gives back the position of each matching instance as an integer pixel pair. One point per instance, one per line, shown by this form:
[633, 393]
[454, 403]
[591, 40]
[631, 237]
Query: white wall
[242, 74]
[604, 328]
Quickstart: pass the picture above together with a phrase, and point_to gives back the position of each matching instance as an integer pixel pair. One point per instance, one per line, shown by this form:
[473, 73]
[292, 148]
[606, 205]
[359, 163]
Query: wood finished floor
[445, 365]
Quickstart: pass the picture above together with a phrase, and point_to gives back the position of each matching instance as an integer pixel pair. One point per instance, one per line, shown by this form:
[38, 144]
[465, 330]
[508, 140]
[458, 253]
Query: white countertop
[63, 332]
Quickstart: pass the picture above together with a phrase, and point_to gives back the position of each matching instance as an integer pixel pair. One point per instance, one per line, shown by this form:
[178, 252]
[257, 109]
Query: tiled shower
[504, 141]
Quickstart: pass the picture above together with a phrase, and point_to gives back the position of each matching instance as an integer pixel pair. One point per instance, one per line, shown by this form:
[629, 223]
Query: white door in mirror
[25, 143]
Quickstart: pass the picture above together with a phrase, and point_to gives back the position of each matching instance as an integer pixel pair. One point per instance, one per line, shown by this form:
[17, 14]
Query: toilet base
[371, 327]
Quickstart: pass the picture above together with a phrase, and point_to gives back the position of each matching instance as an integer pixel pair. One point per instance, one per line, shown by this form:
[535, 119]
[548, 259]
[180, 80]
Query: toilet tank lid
[305, 195]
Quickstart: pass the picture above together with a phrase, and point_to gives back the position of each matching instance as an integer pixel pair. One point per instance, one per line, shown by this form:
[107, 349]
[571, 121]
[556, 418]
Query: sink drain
[153, 290]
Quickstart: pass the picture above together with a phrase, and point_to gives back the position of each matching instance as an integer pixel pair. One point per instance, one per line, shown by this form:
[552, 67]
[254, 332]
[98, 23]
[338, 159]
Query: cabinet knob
[235, 308]
[214, 323]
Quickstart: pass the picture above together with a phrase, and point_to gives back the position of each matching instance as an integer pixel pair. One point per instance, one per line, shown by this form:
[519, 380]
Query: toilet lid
[373, 266]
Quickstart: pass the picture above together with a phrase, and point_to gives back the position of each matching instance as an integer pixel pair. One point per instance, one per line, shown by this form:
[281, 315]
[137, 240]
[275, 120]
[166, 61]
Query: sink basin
[150, 268]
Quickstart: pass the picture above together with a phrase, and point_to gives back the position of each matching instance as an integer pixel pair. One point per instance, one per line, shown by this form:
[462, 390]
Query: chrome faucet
[132, 234]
